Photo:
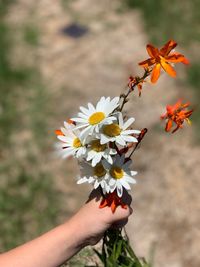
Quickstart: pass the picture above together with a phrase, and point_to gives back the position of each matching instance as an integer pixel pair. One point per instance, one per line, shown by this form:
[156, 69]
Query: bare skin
[55, 247]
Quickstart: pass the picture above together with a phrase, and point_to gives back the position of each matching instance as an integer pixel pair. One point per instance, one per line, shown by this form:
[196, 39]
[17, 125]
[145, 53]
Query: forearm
[48, 250]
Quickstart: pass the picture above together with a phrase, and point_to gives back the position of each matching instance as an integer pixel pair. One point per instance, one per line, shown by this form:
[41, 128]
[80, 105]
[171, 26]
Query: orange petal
[185, 61]
[177, 105]
[165, 50]
[58, 132]
[168, 68]
[113, 206]
[168, 125]
[147, 63]
[152, 51]
[175, 58]
[155, 73]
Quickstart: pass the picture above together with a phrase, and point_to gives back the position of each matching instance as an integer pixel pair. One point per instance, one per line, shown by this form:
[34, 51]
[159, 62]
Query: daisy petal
[119, 190]
[125, 184]
[128, 123]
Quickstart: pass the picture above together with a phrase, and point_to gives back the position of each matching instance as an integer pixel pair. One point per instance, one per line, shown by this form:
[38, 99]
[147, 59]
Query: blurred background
[57, 55]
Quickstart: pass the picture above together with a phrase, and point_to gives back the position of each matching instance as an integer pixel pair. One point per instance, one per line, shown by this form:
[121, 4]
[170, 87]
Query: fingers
[120, 224]
[120, 213]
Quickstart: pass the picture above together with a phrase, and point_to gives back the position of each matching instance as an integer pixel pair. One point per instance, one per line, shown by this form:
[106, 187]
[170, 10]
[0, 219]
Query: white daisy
[94, 175]
[96, 152]
[72, 143]
[92, 118]
[117, 132]
[120, 175]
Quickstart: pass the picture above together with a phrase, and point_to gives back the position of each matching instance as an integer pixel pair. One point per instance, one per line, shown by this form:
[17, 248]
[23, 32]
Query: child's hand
[91, 222]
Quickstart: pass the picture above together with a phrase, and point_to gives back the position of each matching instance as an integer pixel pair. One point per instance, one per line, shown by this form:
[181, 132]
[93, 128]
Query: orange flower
[161, 58]
[133, 81]
[177, 114]
[112, 200]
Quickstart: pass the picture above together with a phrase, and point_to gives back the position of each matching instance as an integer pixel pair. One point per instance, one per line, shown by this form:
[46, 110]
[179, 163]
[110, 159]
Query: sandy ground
[166, 198]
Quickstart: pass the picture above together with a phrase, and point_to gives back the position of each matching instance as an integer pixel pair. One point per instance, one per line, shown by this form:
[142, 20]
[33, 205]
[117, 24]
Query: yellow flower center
[112, 130]
[96, 146]
[77, 143]
[99, 170]
[96, 117]
[116, 172]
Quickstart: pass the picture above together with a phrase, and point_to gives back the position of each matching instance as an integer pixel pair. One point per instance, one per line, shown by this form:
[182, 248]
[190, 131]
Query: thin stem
[140, 137]
[138, 80]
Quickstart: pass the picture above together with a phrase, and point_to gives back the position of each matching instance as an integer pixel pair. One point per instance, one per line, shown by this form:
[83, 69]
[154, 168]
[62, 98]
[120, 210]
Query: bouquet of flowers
[103, 141]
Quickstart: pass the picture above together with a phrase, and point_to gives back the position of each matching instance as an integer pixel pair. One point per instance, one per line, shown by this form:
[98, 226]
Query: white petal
[112, 182]
[128, 123]
[81, 126]
[83, 116]
[130, 139]
[120, 120]
[66, 131]
[120, 141]
[136, 131]
[91, 155]
[112, 188]
[91, 180]
[91, 107]
[82, 180]
[85, 111]
[109, 159]
[86, 131]
[105, 139]
[100, 104]
[67, 154]
[96, 159]
[96, 184]
[130, 179]
[65, 139]
[79, 120]
[68, 126]
[125, 184]
[107, 188]
[133, 173]
[127, 132]
[119, 190]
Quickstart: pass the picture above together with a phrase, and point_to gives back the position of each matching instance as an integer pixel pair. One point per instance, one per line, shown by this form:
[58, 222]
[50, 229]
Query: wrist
[78, 233]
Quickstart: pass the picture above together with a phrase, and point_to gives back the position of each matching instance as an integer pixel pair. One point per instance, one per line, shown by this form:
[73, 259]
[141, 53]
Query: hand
[91, 222]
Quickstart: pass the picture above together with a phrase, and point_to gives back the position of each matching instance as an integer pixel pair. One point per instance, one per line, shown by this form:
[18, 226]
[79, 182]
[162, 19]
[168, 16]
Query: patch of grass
[28, 199]
[66, 3]
[164, 20]
[20, 195]
[31, 35]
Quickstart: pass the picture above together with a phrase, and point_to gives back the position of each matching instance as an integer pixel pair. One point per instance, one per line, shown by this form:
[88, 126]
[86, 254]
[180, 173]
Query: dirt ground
[166, 199]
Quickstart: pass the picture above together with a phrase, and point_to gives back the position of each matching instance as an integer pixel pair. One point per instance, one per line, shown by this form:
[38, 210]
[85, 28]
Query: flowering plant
[103, 142]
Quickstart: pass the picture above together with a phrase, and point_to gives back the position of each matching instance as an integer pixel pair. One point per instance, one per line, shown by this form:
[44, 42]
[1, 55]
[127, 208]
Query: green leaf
[99, 255]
